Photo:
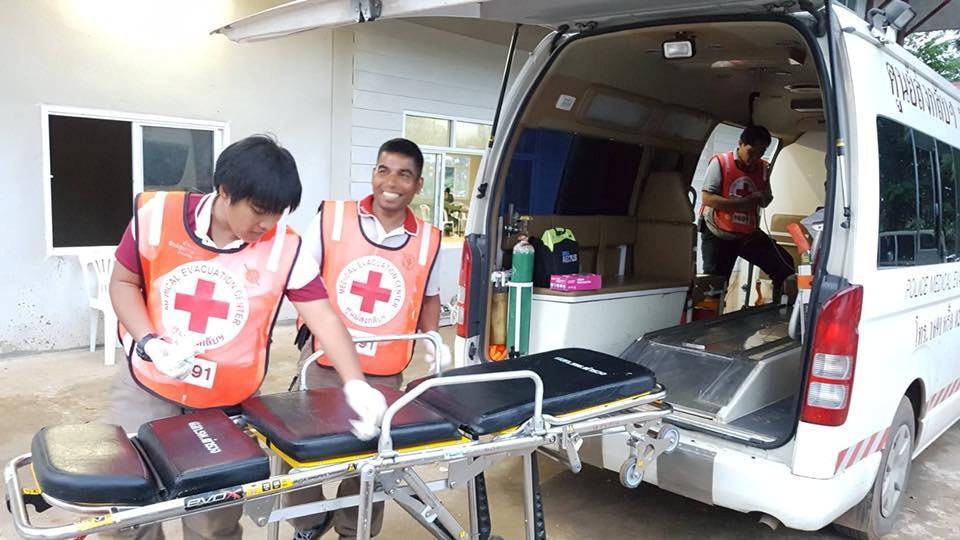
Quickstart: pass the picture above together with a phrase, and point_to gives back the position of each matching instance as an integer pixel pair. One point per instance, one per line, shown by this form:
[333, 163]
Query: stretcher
[467, 419]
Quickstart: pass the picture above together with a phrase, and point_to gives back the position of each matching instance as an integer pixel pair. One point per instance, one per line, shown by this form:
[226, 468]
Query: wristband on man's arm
[140, 346]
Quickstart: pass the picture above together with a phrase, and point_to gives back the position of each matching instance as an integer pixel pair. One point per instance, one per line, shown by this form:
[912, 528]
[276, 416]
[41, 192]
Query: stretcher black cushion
[314, 425]
[573, 379]
[201, 451]
[91, 464]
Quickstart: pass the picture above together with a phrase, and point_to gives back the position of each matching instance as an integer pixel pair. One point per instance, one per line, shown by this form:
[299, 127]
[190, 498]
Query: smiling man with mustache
[377, 259]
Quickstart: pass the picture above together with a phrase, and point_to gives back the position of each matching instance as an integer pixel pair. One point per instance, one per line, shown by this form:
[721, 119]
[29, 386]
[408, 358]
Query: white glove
[431, 356]
[171, 359]
[369, 404]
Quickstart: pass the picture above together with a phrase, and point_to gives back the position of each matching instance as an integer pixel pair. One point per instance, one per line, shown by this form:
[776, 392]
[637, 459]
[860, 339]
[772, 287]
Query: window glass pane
[177, 159]
[459, 176]
[598, 177]
[906, 247]
[926, 184]
[423, 202]
[898, 194]
[428, 131]
[948, 199]
[91, 188]
[471, 135]
[536, 169]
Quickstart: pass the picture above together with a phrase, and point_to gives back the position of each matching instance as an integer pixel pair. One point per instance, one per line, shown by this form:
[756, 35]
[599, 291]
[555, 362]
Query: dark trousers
[719, 255]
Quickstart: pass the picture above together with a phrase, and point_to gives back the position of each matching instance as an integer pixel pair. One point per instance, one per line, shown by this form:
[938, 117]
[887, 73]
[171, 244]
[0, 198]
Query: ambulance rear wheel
[630, 475]
[877, 512]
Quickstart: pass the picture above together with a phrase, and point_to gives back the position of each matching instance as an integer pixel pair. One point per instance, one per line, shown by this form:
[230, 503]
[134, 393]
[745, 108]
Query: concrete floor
[69, 387]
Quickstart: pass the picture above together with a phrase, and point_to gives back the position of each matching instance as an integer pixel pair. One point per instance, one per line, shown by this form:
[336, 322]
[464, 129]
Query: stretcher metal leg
[434, 506]
[473, 510]
[532, 505]
[273, 528]
[478, 498]
[415, 508]
[368, 476]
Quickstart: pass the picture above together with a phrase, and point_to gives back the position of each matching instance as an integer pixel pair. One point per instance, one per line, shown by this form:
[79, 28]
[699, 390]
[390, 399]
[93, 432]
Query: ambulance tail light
[835, 340]
[463, 290]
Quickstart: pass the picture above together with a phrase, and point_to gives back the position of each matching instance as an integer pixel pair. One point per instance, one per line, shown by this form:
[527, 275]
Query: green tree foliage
[939, 50]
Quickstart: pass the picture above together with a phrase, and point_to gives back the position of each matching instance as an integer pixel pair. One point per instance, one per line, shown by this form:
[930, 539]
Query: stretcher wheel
[672, 435]
[630, 475]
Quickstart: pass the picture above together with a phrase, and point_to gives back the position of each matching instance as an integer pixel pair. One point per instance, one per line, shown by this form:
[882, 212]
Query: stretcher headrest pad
[91, 464]
[314, 425]
[573, 379]
[201, 451]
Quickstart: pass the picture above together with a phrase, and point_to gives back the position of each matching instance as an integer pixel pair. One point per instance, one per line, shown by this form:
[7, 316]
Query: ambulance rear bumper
[741, 481]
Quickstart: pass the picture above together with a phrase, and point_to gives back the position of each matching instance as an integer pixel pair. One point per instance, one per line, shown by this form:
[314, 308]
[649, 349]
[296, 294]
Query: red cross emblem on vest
[743, 190]
[371, 292]
[201, 306]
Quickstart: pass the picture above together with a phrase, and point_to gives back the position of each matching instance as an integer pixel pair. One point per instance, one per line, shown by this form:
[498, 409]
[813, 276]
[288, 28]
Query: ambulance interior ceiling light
[680, 47]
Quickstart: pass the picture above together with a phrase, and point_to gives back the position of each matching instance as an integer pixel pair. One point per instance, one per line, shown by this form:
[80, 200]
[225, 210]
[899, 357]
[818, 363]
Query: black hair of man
[404, 147]
[755, 135]
[258, 169]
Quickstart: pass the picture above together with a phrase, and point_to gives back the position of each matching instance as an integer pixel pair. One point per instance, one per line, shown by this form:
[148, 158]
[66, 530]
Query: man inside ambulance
[735, 188]
[197, 288]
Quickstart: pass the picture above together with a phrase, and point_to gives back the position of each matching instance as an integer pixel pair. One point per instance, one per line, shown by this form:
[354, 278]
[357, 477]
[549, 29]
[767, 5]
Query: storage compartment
[606, 321]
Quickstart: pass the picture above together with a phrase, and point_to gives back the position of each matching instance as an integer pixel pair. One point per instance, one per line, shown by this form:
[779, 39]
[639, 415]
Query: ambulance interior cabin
[610, 147]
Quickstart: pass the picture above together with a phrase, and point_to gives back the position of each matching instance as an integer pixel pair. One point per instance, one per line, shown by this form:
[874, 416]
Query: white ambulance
[603, 131]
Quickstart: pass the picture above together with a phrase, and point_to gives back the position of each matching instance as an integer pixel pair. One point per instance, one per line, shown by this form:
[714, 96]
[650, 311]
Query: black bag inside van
[555, 252]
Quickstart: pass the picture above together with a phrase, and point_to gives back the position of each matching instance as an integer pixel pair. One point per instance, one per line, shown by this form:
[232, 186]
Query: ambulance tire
[871, 521]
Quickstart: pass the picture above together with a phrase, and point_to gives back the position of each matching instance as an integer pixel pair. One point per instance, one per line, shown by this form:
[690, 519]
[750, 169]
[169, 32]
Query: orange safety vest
[377, 290]
[223, 302]
[737, 183]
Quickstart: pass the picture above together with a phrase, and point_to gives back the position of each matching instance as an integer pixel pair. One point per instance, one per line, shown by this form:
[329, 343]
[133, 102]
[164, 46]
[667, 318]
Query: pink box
[574, 282]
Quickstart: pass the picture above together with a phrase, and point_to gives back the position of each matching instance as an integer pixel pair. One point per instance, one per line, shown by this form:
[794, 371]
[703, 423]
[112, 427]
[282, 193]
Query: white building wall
[142, 57]
[402, 67]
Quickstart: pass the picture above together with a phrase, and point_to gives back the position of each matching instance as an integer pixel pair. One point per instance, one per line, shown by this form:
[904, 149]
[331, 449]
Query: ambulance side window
[898, 195]
[918, 197]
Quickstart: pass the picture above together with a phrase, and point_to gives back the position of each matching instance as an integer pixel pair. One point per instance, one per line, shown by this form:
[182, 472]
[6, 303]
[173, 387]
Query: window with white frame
[96, 161]
[452, 150]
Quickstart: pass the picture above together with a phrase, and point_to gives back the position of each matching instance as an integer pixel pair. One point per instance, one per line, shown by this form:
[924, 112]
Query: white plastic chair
[97, 267]
[447, 221]
[425, 213]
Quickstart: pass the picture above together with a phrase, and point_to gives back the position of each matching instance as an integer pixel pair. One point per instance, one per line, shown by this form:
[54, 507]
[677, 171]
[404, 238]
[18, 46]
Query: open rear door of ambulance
[302, 15]
[570, 17]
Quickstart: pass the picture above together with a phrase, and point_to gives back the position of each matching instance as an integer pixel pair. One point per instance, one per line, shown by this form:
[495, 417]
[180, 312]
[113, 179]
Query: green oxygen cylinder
[521, 293]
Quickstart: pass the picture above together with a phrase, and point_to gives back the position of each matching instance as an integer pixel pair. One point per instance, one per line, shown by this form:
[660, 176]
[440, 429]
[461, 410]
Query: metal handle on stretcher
[433, 337]
[385, 445]
[156, 512]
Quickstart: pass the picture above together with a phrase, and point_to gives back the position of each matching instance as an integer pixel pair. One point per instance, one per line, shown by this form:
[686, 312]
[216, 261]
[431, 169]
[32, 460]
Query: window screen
[91, 185]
